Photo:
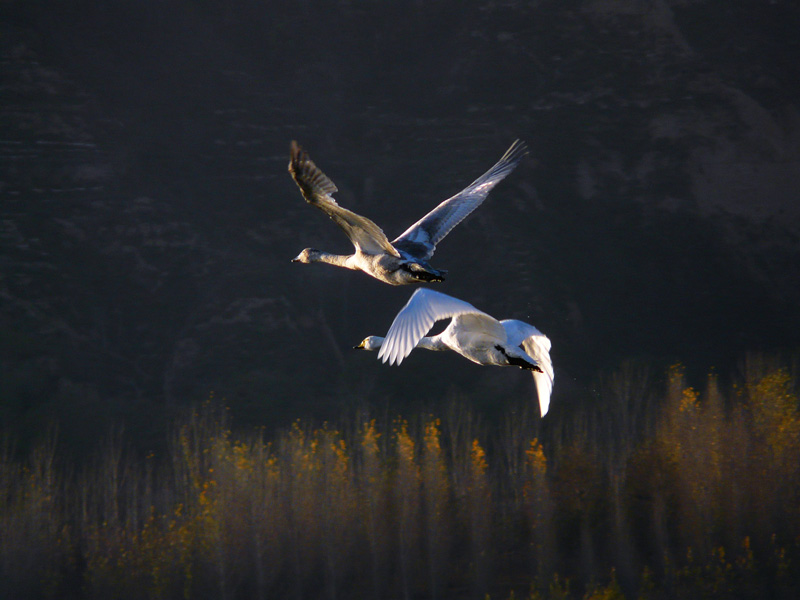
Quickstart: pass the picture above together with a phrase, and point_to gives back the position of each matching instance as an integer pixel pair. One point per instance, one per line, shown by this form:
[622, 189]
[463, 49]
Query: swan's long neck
[375, 342]
[337, 260]
[432, 343]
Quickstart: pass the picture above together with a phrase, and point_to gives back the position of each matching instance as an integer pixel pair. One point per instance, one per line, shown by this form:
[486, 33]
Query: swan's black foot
[426, 277]
[518, 361]
[423, 274]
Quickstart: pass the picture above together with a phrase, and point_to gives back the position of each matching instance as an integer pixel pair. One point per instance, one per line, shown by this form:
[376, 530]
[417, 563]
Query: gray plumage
[404, 260]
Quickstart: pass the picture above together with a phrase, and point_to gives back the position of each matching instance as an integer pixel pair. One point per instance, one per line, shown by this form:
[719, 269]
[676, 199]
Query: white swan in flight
[405, 260]
[472, 333]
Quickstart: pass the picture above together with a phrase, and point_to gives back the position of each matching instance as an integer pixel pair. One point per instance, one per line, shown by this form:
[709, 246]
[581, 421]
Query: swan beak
[359, 347]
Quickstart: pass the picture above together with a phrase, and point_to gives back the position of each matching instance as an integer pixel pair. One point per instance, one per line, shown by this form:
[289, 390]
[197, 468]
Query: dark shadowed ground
[147, 219]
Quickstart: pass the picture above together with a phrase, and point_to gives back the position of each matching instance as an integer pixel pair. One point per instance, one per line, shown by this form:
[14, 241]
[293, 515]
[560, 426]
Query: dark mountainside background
[147, 218]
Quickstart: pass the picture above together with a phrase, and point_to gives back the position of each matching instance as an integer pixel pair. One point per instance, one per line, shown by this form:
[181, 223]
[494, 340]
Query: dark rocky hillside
[147, 219]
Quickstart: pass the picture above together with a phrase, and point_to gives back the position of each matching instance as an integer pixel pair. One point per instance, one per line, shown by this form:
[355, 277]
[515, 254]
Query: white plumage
[472, 333]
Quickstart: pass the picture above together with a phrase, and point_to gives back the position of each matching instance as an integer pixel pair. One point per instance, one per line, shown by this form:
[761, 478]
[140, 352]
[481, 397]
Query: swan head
[308, 255]
[373, 342]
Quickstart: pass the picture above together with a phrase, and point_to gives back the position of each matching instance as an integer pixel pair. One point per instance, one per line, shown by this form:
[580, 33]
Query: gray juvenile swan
[472, 333]
[405, 260]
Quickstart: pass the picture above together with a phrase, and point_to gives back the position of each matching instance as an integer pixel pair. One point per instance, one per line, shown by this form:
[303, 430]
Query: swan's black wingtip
[296, 156]
[517, 151]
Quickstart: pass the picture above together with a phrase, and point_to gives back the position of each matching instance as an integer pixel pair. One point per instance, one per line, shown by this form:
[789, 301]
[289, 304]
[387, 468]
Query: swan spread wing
[423, 309]
[421, 238]
[317, 189]
[537, 346]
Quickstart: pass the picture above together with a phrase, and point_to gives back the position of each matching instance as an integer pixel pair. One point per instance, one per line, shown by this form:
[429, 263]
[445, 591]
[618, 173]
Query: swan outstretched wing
[537, 346]
[423, 309]
[421, 238]
[317, 189]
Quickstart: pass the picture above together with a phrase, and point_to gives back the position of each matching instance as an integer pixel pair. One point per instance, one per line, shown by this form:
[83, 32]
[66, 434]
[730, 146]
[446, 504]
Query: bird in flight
[404, 260]
[472, 333]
